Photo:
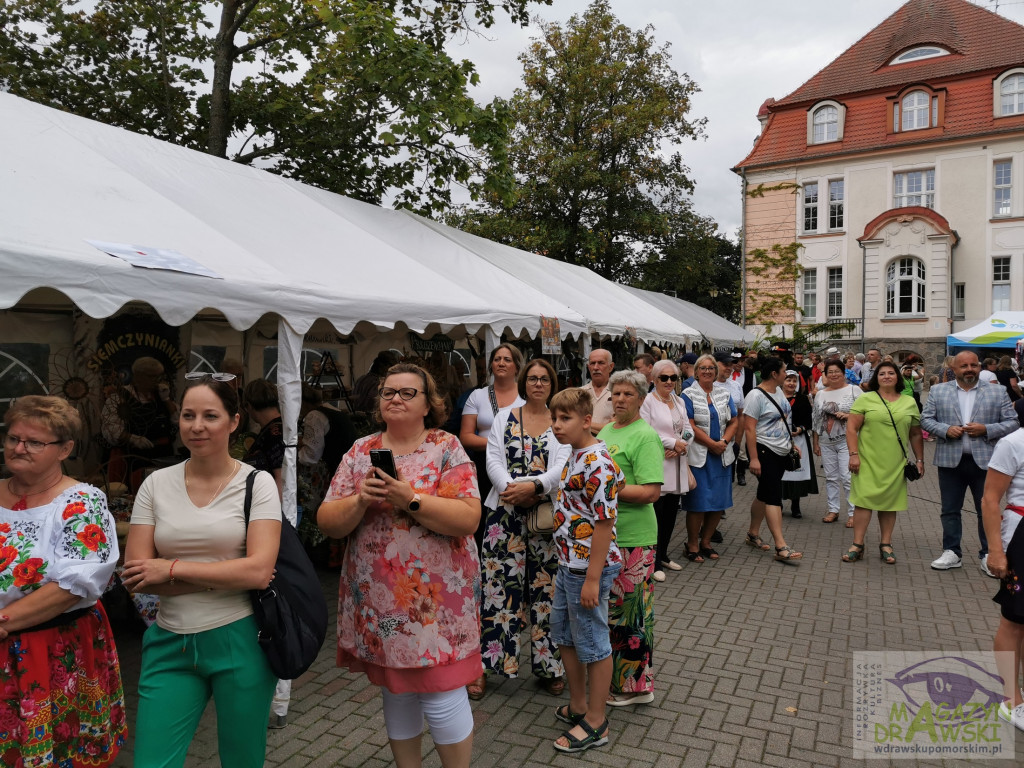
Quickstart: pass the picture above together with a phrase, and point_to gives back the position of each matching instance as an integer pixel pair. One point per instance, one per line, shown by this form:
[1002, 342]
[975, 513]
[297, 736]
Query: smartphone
[384, 460]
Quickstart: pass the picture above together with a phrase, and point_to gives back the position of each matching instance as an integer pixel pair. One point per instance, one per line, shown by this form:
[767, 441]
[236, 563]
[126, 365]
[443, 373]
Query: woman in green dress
[877, 456]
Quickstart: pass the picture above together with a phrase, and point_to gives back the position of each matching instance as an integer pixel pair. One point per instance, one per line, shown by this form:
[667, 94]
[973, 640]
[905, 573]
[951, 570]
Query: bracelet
[171, 570]
[854, 453]
[920, 461]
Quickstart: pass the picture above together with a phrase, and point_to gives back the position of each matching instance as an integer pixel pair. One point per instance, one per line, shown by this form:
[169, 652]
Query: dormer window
[921, 52]
[916, 109]
[825, 122]
[1008, 97]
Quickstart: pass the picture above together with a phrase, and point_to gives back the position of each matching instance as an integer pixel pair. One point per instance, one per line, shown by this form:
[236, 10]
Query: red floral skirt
[61, 700]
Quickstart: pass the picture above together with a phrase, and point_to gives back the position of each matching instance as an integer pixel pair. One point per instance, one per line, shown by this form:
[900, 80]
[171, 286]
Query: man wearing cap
[600, 367]
[685, 364]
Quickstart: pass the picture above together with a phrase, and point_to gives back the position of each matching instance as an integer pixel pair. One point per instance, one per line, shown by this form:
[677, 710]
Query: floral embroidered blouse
[409, 598]
[70, 541]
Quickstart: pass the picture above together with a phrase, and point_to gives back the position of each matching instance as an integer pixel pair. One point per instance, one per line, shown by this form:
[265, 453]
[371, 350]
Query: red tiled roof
[980, 42]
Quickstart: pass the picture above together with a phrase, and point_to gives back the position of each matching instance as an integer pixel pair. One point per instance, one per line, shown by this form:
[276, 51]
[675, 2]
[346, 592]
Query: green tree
[598, 180]
[354, 96]
[699, 265]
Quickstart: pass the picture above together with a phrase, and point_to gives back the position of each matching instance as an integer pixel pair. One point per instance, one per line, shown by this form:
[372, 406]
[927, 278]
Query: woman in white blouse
[524, 463]
[832, 405]
[665, 411]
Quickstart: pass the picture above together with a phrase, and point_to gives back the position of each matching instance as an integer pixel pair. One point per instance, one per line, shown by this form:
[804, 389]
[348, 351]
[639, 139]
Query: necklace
[234, 468]
[670, 401]
[22, 503]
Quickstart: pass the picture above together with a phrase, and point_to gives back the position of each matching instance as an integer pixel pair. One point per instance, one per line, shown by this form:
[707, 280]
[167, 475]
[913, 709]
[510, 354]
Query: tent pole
[289, 394]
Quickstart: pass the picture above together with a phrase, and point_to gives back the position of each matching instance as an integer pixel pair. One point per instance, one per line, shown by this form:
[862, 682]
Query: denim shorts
[585, 629]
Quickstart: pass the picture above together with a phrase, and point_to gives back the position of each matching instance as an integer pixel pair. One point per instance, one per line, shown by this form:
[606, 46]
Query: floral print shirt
[591, 481]
[409, 598]
[71, 541]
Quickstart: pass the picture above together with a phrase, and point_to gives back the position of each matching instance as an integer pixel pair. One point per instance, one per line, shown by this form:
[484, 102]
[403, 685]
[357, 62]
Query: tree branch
[241, 16]
[241, 50]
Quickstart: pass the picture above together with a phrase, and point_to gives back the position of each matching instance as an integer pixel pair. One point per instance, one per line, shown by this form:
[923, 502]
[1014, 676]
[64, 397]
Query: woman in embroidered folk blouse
[524, 461]
[409, 605]
[61, 701]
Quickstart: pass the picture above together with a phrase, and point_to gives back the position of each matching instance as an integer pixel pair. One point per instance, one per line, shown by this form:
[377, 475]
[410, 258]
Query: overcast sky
[739, 52]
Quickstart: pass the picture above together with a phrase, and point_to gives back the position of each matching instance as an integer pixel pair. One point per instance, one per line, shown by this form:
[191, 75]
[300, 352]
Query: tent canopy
[1002, 330]
[716, 329]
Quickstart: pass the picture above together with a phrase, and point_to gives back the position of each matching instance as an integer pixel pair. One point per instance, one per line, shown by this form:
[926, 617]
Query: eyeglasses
[31, 446]
[705, 368]
[673, 377]
[406, 393]
[202, 376]
[538, 380]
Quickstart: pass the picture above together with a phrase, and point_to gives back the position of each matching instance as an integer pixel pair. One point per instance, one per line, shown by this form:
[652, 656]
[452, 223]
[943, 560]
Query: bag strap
[522, 443]
[250, 481]
[493, 398]
[902, 448]
[782, 413]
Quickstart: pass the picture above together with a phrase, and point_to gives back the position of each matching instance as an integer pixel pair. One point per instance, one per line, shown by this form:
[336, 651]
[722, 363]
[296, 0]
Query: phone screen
[384, 460]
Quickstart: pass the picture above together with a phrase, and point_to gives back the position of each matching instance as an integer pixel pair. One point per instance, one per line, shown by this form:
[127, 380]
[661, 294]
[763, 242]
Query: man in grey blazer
[966, 420]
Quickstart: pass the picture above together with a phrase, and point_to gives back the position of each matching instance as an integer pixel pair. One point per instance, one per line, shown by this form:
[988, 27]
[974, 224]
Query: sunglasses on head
[202, 376]
[673, 377]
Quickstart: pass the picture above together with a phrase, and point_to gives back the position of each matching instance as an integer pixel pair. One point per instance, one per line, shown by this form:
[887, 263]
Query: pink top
[409, 598]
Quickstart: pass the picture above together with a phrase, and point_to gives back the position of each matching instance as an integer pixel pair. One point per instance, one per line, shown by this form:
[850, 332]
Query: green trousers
[181, 672]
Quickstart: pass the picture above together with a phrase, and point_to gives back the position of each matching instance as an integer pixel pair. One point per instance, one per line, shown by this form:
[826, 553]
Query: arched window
[1011, 95]
[916, 110]
[826, 125]
[905, 287]
[921, 52]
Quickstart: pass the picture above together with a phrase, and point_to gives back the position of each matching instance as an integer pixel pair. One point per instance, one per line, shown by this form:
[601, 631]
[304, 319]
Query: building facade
[898, 170]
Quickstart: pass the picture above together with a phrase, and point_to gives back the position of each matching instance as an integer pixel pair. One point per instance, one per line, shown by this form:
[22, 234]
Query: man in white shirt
[600, 367]
[874, 357]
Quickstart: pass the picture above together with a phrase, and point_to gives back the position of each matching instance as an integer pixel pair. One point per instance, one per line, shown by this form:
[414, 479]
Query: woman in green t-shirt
[637, 449]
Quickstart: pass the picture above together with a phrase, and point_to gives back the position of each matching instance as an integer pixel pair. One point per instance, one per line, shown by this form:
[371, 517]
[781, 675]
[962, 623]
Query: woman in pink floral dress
[409, 605]
[61, 701]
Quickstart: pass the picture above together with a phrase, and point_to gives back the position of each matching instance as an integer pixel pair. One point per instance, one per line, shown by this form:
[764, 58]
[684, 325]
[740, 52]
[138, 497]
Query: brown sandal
[477, 688]
[553, 685]
[831, 517]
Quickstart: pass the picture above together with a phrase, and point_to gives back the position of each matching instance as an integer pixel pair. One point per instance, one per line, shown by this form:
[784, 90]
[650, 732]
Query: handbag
[910, 471]
[791, 461]
[540, 518]
[291, 612]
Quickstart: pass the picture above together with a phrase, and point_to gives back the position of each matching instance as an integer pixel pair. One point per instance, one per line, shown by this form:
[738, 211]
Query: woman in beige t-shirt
[189, 544]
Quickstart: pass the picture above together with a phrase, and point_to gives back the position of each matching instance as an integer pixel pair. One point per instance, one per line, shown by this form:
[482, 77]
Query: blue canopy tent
[1001, 331]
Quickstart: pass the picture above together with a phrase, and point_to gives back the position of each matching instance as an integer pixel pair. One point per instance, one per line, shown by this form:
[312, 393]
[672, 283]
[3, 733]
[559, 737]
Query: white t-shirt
[204, 535]
[772, 431]
[987, 377]
[479, 404]
[1008, 458]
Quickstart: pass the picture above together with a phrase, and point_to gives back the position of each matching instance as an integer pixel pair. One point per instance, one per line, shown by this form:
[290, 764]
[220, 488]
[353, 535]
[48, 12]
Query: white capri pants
[448, 715]
[835, 460]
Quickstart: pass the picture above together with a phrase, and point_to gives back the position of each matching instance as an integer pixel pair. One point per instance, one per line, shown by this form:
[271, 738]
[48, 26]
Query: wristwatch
[538, 487]
[414, 505]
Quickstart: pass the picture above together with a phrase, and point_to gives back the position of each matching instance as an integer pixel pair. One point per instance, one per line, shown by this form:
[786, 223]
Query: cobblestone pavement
[753, 659]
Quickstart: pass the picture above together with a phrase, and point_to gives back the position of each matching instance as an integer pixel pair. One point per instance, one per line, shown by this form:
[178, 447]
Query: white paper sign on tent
[154, 258]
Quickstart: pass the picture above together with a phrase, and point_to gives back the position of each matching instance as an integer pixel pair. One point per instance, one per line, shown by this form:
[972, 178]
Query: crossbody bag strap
[493, 398]
[781, 413]
[902, 448]
[250, 481]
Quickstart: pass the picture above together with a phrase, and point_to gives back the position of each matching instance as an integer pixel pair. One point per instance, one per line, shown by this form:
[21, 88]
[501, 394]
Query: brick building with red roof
[898, 169]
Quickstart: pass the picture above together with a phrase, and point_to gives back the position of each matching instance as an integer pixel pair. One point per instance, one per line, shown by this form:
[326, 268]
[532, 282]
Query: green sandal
[854, 553]
[592, 739]
[888, 553]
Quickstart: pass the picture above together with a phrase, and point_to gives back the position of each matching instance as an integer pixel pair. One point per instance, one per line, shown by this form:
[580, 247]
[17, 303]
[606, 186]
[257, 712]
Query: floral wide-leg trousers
[631, 621]
[518, 587]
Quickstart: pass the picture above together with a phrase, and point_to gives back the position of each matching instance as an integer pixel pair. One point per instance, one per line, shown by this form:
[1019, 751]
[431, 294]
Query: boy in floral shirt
[588, 562]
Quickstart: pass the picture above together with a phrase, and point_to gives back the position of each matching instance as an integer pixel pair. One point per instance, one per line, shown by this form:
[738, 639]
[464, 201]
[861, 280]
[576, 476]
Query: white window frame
[809, 293]
[911, 270]
[810, 215]
[836, 205]
[1016, 103]
[918, 53]
[840, 120]
[959, 301]
[1002, 188]
[834, 306]
[1001, 290]
[901, 197]
[920, 111]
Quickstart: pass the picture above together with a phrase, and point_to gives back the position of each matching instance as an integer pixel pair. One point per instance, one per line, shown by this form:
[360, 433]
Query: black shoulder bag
[910, 470]
[791, 461]
[291, 613]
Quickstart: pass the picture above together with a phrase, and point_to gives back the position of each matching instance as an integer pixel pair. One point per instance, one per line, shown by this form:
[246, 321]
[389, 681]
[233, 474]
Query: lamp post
[713, 293]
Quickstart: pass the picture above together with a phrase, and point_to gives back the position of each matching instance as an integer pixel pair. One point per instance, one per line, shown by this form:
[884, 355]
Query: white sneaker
[1015, 715]
[948, 559]
[658, 576]
[984, 567]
